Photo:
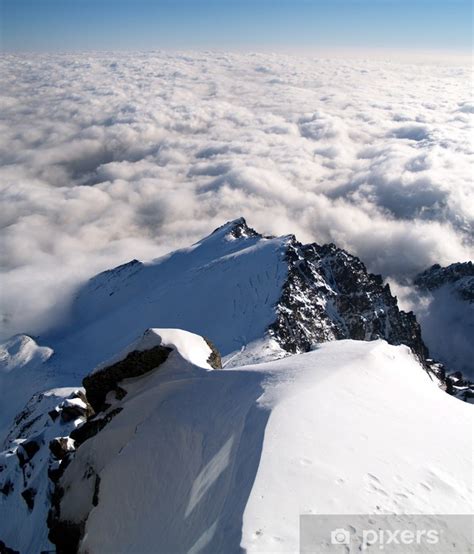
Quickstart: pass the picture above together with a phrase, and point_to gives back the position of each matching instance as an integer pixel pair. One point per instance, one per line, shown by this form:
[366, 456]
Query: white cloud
[107, 157]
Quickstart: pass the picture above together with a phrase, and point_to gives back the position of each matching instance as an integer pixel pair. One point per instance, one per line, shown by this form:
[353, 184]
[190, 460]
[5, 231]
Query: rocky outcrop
[459, 275]
[103, 391]
[37, 449]
[5, 550]
[214, 360]
[136, 363]
[330, 295]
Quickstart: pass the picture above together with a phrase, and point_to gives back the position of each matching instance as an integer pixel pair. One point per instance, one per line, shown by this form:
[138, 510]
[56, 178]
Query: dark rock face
[461, 275]
[329, 295]
[214, 360]
[91, 427]
[29, 497]
[7, 488]
[136, 363]
[38, 450]
[27, 450]
[237, 229]
[64, 534]
[59, 447]
[5, 550]
[449, 285]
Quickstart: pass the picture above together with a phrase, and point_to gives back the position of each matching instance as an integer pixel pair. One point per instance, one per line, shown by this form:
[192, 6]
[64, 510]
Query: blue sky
[249, 24]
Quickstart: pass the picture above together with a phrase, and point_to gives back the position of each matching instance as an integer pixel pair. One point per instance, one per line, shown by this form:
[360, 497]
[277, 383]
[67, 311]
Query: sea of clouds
[111, 156]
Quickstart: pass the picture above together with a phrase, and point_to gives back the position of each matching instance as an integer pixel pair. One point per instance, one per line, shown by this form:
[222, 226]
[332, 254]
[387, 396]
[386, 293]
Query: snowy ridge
[191, 348]
[235, 287]
[201, 460]
[201, 448]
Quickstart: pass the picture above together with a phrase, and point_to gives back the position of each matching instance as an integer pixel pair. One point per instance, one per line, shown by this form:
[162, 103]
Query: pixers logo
[386, 537]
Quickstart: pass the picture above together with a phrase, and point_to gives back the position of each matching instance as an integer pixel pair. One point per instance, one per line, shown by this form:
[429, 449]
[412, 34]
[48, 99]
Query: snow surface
[220, 288]
[22, 373]
[213, 461]
[210, 289]
[190, 347]
[22, 351]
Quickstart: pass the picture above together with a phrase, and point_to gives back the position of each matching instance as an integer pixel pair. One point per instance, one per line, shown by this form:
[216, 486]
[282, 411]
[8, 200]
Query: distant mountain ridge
[459, 275]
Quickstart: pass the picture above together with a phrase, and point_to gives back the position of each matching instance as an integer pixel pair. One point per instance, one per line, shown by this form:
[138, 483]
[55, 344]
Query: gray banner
[387, 534]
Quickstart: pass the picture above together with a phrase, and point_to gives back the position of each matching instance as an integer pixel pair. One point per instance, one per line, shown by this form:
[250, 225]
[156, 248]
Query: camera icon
[340, 536]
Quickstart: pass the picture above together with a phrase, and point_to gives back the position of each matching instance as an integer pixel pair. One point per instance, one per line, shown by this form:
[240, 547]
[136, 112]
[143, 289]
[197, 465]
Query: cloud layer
[107, 157]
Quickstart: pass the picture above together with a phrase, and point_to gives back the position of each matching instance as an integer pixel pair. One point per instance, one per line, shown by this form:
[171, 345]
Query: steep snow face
[212, 461]
[224, 287]
[446, 312]
[38, 444]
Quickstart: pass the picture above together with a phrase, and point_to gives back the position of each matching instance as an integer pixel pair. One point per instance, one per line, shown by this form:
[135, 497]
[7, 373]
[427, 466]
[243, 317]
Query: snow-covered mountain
[459, 276]
[187, 457]
[447, 314]
[320, 367]
[254, 297]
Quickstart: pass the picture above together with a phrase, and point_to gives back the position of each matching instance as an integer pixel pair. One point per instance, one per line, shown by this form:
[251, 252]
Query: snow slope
[224, 287]
[212, 461]
[254, 297]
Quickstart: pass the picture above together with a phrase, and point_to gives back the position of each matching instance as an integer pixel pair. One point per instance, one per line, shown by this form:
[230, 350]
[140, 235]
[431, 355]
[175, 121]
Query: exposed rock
[29, 496]
[27, 450]
[53, 414]
[30, 467]
[66, 536]
[136, 363]
[448, 322]
[330, 295]
[461, 275]
[95, 498]
[60, 446]
[91, 427]
[214, 360]
[5, 550]
[74, 408]
[237, 229]
[7, 487]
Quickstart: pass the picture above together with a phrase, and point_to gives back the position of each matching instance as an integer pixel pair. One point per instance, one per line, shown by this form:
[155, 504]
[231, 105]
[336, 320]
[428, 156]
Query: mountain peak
[460, 276]
[235, 229]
